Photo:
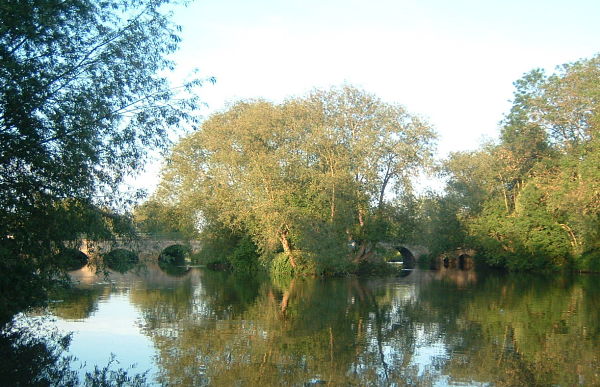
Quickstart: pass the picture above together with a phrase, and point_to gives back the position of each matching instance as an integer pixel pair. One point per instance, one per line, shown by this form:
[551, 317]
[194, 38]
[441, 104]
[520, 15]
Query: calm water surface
[428, 328]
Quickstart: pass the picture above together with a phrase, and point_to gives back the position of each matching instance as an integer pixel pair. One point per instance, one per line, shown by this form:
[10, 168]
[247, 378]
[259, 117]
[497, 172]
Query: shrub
[589, 262]
[244, 257]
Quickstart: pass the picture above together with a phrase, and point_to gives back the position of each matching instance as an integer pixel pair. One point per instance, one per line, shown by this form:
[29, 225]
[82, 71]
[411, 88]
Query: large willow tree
[304, 177]
[82, 97]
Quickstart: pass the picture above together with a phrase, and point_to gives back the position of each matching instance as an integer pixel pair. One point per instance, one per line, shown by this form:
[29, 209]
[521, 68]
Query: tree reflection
[214, 328]
[345, 331]
[77, 303]
[538, 331]
[509, 330]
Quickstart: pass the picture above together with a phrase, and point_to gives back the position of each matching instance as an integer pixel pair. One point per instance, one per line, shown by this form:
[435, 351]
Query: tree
[154, 217]
[532, 199]
[303, 177]
[82, 98]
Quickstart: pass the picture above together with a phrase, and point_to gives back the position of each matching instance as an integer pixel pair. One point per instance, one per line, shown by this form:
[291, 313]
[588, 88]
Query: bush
[427, 262]
[244, 257]
[280, 265]
[378, 268]
[589, 262]
[172, 260]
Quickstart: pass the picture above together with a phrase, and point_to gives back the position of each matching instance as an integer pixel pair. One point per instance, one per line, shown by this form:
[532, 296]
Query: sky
[451, 62]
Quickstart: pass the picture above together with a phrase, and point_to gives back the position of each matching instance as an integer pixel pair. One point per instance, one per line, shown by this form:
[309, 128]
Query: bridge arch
[461, 259]
[173, 259]
[176, 254]
[147, 247]
[408, 258]
[72, 259]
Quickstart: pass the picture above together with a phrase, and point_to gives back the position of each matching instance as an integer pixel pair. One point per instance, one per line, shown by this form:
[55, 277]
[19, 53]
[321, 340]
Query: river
[425, 329]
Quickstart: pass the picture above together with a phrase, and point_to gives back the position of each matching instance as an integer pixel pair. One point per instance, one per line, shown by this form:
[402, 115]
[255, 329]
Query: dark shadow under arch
[172, 260]
[463, 263]
[408, 259]
[72, 259]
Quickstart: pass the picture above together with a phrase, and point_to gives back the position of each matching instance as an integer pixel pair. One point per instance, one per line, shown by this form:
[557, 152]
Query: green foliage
[280, 266]
[173, 259]
[107, 377]
[303, 177]
[156, 218]
[589, 262]
[217, 243]
[34, 356]
[20, 286]
[438, 225]
[427, 261]
[531, 202]
[377, 268]
[244, 257]
[84, 96]
[120, 260]
[31, 360]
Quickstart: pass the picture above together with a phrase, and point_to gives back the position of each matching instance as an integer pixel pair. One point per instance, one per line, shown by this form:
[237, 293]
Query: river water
[427, 328]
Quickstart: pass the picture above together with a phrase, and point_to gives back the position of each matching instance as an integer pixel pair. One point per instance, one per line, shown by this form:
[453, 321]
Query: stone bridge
[460, 258]
[410, 253]
[146, 247]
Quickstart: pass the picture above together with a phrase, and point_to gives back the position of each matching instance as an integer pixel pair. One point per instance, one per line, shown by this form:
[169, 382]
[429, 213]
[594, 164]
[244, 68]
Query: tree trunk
[361, 220]
[571, 235]
[386, 180]
[333, 202]
[286, 248]
[286, 297]
[363, 253]
[332, 189]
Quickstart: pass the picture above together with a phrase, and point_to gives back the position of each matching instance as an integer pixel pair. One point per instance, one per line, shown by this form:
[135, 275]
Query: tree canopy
[532, 201]
[82, 99]
[305, 177]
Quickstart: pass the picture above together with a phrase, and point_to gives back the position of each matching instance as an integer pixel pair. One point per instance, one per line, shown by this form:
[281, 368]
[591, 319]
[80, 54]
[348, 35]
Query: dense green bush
[589, 262]
[279, 265]
[244, 257]
[377, 267]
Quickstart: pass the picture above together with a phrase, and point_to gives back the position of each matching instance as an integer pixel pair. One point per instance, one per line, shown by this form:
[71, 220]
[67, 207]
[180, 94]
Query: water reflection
[445, 327]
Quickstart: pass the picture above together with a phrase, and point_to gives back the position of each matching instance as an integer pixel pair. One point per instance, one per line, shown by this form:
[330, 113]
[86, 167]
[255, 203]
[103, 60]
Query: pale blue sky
[451, 61]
